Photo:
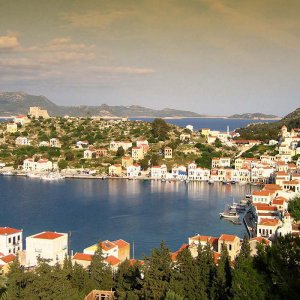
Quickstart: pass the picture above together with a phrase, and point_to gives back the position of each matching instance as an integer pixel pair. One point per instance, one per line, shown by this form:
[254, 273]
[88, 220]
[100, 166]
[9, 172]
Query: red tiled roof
[268, 222]
[112, 260]
[260, 240]
[8, 258]
[227, 237]
[262, 193]
[83, 256]
[8, 230]
[174, 254]
[262, 206]
[135, 261]
[121, 243]
[107, 245]
[48, 235]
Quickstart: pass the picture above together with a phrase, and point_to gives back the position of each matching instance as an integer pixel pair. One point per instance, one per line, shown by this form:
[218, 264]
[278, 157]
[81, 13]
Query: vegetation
[294, 208]
[273, 274]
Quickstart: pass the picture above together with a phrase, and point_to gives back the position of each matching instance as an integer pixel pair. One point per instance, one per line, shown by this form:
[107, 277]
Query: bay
[212, 123]
[145, 212]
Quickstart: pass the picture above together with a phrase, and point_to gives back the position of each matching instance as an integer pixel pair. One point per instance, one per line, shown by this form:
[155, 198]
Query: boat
[211, 181]
[7, 173]
[229, 214]
[163, 180]
[52, 176]
[225, 181]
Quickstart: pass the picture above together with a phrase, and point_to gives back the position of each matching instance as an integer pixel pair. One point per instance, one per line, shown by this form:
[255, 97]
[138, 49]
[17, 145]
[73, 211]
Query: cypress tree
[247, 283]
[157, 273]
[100, 272]
[224, 275]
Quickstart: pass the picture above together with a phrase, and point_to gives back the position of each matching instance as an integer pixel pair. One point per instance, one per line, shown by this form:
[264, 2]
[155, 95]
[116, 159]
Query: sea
[141, 212]
[212, 123]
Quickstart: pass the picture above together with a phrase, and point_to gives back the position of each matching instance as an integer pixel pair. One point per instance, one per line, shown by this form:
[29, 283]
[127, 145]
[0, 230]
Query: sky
[213, 57]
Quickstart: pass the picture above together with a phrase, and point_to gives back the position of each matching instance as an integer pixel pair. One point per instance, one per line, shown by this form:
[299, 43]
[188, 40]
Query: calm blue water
[213, 123]
[146, 212]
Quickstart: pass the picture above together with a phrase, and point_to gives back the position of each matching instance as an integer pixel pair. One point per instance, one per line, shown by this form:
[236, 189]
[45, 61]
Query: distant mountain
[253, 116]
[14, 103]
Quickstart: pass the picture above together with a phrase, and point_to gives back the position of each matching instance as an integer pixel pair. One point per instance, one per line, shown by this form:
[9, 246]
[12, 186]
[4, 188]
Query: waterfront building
[198, 174]
[133, 171]
[179, 172]
[267, 227]
[42, 165]
[264, 196]
[10, 240]
[158, 172]
[11, 127]
[115, 170]
[48, 245]
[127, 161]
[168, 152]
[137, 153]
[38, 112]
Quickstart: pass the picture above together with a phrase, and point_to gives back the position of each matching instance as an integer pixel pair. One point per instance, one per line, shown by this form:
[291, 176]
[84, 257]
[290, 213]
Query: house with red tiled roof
[264, 196]
[232, 243]
[202, 240]
[267, 227]
[10, 240]
[5, 261]
[255, 241]
[49, 245]
[175, 254]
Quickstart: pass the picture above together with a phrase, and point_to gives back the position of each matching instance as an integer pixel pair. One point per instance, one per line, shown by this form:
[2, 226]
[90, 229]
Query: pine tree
[157, 273]
[128, 280]
[186, 277]
[247, 283]
[100, 272]
[223, 276]
[206, 268]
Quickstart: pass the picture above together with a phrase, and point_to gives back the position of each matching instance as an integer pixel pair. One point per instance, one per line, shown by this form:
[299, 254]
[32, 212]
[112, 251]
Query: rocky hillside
[253, 116]
[268, 131]
[14, 103]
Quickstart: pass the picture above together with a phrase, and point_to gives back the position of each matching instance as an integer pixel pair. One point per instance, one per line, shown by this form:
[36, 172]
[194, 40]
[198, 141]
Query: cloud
[95, 19]
[8, 42]
[123, 70]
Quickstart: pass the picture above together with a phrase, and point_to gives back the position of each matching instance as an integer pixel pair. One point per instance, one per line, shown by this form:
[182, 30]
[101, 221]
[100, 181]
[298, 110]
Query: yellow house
[205, 131]
[115, 170]
[232, 243]
[127, 161]
[11, 127]
[137, 153]
[168, 152]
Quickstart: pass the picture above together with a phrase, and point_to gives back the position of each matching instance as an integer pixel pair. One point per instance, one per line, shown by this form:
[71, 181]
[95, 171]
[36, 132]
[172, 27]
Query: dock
[249, 222]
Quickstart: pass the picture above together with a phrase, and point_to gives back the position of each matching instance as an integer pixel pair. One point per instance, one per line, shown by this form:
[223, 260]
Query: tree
[186, 279]
[294, 208]
[128, 280]
[100, 273]
[62, 164]
[223, 276]
[157, 273]
[120, 151]
[160, 129]
[244, 272]
[218, 143]
[173, 296]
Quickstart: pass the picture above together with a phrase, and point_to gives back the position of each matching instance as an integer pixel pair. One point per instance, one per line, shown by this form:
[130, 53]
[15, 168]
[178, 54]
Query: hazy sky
[209, 56]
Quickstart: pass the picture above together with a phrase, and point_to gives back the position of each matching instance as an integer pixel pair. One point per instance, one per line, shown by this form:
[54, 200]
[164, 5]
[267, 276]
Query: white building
[22, 141]
[220, 162]
[198, 174]
[133, 170]
[41, 165]
[48, 245]
[179, 172]
[55, 143]
[10, 240]
[158, 172]
[113, 146]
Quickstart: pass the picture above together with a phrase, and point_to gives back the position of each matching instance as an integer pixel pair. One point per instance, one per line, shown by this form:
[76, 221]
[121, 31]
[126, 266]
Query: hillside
[253, 116]
[14, 103]
[268, 131]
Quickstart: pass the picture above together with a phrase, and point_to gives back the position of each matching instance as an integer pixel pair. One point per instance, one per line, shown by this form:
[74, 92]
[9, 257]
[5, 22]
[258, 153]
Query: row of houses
[54, 246]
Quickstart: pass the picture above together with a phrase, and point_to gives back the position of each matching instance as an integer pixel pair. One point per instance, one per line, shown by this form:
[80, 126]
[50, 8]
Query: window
[230, 247]
[9, 240]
